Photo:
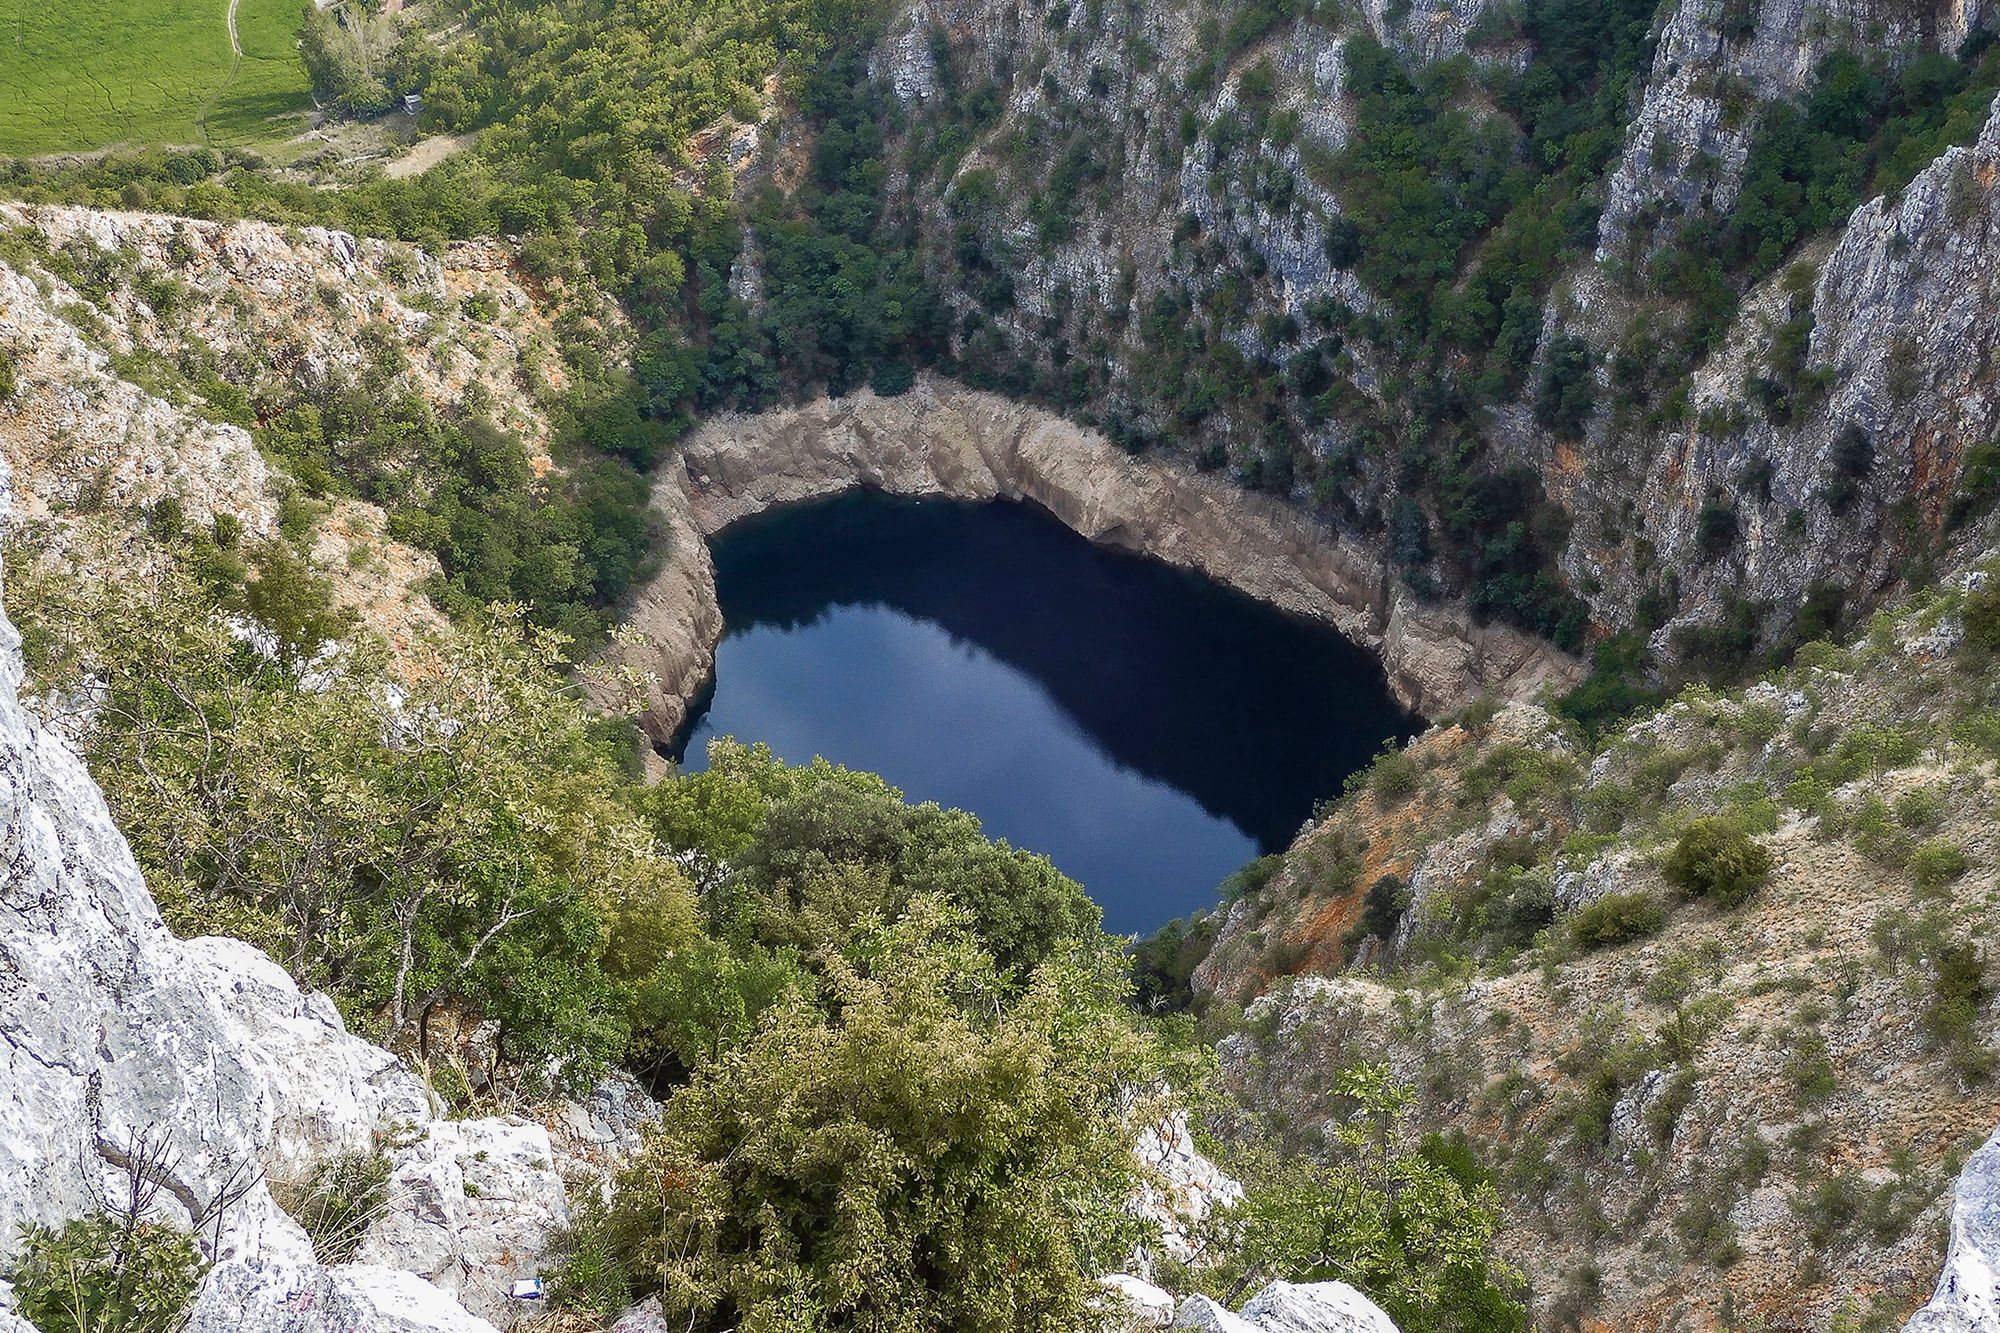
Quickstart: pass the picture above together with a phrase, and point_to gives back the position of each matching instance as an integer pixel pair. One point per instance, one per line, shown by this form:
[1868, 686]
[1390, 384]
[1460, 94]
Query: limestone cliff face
[1179, 197]
[947, 441]
[120, 1043]
[1904, 331]
[1715, 63]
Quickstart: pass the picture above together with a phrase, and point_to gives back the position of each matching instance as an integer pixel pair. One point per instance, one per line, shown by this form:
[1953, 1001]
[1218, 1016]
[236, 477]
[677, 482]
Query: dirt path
[427, 153]
[235, 45]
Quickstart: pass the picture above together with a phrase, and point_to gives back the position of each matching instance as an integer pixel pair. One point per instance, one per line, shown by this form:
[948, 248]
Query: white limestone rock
[1315, 1307]
[117, 1037]
[471, 1206]
[645, 1317]
[1967, 1299]
[1204, 1315]
[1134, 1303]
[243, 1295]
[1179, 1189]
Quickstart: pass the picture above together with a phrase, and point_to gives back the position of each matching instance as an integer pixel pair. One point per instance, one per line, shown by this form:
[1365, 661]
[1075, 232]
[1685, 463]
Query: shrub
[1981, 616]
[1809, 1069]
[1388, 898]
[1715, 529]
[933, 1150]
[1957, 990]
[1715, 859]
[1617, 918]
[101, 1275]
[1935, 864]
[1393, 777]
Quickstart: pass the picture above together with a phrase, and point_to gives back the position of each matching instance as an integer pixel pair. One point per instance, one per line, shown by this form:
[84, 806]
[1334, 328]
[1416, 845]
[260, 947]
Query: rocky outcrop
[138, 341]
[1904, 338]
[471, 1205]
[1716, 62]
[273, 1297]
[1289, 1307]
[947, 441]
[1967, 1299]
[200, 1067]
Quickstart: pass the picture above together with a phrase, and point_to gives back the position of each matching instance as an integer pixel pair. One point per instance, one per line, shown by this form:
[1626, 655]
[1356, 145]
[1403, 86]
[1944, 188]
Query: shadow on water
[1075, 698]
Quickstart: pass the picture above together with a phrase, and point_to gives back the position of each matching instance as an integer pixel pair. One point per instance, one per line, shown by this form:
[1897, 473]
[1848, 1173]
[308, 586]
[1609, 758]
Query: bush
[100, 1275]
[1957, 990]
[1393, 777]
[1715, 859]
[931, 1149]
[1617, 918]
[1935, 864]
[1388, 898]
[1981, 616]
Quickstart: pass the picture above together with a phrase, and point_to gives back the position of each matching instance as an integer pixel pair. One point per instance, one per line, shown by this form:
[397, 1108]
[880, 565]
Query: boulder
[276, 1297]
[1134, 1303]
[1315, 1307]
[1202, 1314]
[471, 1206]
[645, 1317]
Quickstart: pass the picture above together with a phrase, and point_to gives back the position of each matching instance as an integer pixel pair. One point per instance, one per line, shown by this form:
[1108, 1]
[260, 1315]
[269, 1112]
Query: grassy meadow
[74, 78]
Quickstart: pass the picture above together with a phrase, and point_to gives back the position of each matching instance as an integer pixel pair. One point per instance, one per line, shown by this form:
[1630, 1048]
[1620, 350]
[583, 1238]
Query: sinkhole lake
[1146, 729]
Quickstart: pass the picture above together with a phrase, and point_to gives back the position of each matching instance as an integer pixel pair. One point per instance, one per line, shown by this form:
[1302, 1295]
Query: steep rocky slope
[200, 1069]
[1138, 212]
[138, 343]
[1697, 1115]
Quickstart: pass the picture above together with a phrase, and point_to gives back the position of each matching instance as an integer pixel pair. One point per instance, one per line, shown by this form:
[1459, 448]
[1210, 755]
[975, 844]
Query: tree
[1568, 391]
[918, 1146]
[1413, 1229]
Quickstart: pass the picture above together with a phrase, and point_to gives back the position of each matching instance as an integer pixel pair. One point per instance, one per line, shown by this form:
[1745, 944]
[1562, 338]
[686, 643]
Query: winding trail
[235, 45]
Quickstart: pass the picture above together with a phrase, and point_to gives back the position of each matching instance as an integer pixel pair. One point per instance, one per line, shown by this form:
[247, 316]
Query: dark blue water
[1145, 728]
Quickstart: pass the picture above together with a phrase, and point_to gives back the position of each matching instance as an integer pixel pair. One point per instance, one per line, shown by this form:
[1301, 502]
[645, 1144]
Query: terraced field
[74, 78]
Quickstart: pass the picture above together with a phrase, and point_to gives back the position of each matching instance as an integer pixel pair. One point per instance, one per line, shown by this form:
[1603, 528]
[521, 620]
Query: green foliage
[1936, 863]
[1859, 130]
[1381, 911]
[1619, 684]
[589, 1278]
[98, 1275]
[1412, 1229]
[813, 851]
[1714, 858]
[568, 545]
[1394, 776]
[1568, 393]
[338, 1202]
[1981, 617]
[920, 1144]
[1617, 918]
[1164, 962]
[463, 839]
[1951, 1013]
[1809, 1069]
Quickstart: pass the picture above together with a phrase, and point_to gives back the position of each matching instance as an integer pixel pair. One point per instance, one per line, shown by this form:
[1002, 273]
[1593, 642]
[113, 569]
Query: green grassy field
[80, 77]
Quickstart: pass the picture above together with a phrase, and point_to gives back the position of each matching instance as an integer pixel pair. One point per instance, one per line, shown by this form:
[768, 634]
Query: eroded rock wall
[944, 440]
